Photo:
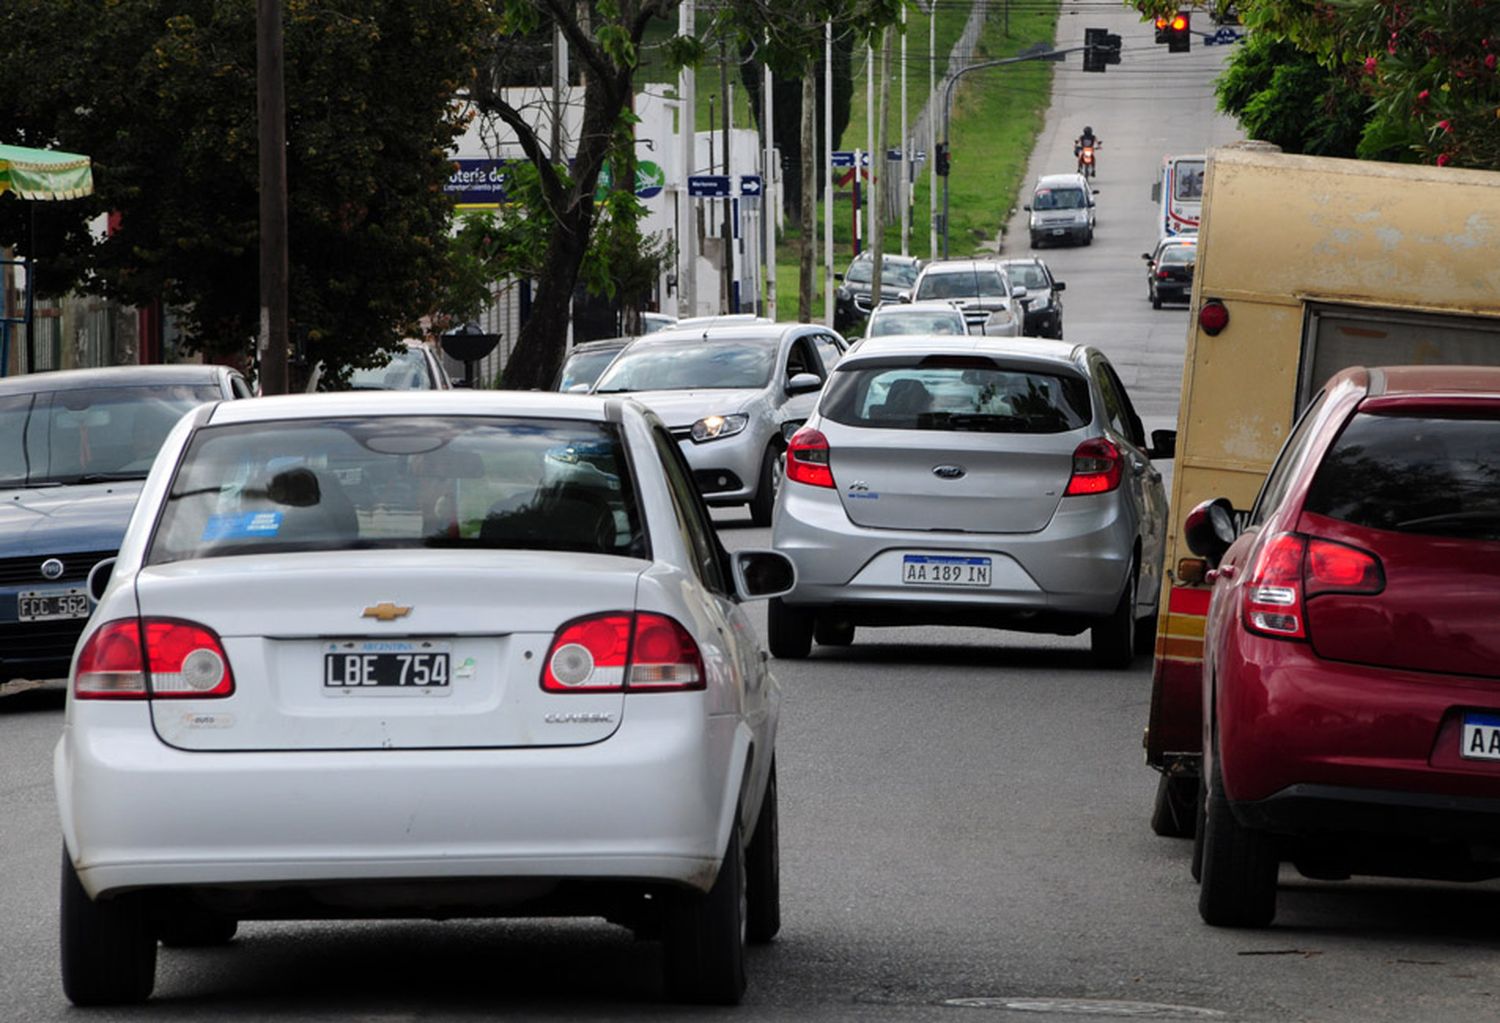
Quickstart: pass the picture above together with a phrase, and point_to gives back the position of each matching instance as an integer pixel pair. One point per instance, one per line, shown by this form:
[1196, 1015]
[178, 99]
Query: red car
[1351, 675]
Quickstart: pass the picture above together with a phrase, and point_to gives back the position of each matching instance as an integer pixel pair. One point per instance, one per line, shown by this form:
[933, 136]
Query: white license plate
[386, 666]
[943, 570]
[1481, 737]
[52, 605]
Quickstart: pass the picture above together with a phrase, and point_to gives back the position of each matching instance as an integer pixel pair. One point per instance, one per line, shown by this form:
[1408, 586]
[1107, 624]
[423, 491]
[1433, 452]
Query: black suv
[851, 300]
[1042, 303]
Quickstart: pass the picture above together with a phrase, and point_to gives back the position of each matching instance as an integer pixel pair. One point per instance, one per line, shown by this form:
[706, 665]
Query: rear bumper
[1314, 810]
[652, 803]
[1074, 568]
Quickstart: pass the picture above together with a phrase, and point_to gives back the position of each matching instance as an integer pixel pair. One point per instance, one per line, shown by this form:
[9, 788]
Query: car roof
[1037, 349]
[1394, 381]
[959, 265]
[112, 376]
[1056, 180]
[335, 404]
[602, 344]
[758, 330]
[925, 306]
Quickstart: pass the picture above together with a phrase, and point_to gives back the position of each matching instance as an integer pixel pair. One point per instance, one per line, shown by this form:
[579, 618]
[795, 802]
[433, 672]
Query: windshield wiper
[108, 477]
[22, 484]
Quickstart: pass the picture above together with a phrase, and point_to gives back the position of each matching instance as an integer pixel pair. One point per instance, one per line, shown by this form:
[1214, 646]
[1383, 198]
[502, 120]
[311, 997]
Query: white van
[1062, 208]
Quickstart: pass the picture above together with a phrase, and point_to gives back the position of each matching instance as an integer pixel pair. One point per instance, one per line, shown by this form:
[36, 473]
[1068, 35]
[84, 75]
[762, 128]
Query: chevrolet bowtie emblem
[386, 611]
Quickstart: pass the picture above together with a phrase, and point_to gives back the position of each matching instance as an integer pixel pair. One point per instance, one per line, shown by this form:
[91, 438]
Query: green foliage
[162, 95]
[1283, 95]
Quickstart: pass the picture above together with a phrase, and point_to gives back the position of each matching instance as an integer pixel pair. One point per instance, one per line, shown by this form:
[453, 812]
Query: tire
[1088, 238]
[830, 632]
[195, 928]
[769, 481]
[763, 870]
[789, 630]
[1112, 641]
[1237, 887]
[1155, 299]
[1174, 814]
[1145, 634]
[703, 957]
[1199, 819]
[108, 950]
[1036, 242]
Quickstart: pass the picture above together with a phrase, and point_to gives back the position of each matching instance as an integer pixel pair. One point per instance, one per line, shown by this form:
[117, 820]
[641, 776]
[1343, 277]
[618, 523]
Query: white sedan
[454, 655]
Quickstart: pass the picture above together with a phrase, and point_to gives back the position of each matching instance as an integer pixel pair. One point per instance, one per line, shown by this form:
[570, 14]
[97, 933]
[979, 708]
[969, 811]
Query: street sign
[750, 185]
[845, 158]
[708, 186]
[1223, 37]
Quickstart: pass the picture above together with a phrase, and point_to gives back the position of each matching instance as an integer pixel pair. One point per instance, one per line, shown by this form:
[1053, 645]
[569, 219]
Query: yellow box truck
[1306, 265]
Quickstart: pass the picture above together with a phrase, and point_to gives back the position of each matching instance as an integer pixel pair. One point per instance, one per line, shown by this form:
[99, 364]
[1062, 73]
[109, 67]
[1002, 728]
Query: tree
[161, 94]
[604, 42]
[1425, 69]
[1280, 94]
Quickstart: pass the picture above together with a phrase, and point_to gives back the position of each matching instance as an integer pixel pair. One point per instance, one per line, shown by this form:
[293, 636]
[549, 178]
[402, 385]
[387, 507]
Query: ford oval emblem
[52, 569]
[948, 472]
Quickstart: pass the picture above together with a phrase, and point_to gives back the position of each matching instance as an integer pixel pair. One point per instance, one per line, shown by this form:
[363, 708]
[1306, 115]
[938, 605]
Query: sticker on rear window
[243, 526]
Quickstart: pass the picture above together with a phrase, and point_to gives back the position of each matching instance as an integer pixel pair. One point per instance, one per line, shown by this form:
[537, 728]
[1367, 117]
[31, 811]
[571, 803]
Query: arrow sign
[750, 184]
[708, 186]
[843, 158]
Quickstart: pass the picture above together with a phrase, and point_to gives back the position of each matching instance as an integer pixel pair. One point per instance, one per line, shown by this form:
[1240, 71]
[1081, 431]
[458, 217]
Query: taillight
[159, 657]
[1338, 568]
[1096, 468]
[1162, 275]
[619, 652]
[110, 666]
[807, 458]
[1273, 593]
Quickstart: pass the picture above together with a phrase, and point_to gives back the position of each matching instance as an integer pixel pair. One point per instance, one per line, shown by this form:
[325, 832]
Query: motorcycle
[1086, 160]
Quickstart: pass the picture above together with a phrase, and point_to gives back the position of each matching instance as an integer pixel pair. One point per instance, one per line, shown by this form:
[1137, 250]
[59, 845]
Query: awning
[44, 173]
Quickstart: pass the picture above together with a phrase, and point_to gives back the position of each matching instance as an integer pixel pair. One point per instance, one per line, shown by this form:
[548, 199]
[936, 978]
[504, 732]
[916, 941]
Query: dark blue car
[74, 449]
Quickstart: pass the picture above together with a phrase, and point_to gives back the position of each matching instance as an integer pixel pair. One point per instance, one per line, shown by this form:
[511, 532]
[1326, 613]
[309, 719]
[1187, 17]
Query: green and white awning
[44, 173]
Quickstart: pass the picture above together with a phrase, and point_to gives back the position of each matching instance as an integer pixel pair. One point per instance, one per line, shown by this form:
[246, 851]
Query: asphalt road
[964, 814]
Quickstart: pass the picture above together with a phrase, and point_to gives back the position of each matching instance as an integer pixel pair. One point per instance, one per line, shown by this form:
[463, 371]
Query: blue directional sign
[845, 158]
[750, 185]
[1223, 37]
[708, 186]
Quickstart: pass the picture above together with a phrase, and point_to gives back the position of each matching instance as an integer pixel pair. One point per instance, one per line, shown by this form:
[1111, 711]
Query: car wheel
[764, 501]
[832, 632]
[1200, 817]
[704, 954]
[1036, 242]
[763, 870]
[1088, 237]
[108, 950]
[789, 630]
[1112, 641]
[195, 928]
[1173, 815]
[1238, 873]
[1145, 634]
[1155, 298]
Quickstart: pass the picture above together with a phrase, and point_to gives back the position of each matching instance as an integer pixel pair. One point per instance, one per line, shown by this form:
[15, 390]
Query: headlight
[717, 427]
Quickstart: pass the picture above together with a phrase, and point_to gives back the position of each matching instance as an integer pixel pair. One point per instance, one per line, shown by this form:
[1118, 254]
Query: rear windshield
[963, 284]
[90, 434]
[1437, 477]
[1028, 275]
[1178, 255]
[916, 322]
[956, 394]
[400, 482]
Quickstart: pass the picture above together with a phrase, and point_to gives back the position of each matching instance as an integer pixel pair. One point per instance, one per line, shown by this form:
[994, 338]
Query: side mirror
[578, 388]
[1026, 207]
[903, 296]
[1209, 530]
[804, 383]
[838, 277]
[759, 574]
[1163, 444]
[1059, 286]
[1018, 291]
[98, 579]
[462, 383]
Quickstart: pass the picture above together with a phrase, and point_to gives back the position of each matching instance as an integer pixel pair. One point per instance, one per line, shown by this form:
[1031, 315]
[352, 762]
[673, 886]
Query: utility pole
[270, 104]
[828, 173]
[881, 146]
[870, 193]
[687, 218]
[770, 202]
[727, 304]
[932, 244]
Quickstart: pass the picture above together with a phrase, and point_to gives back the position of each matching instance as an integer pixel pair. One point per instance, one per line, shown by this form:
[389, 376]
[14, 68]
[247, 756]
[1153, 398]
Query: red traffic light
[1161, 21]
[1179, 23]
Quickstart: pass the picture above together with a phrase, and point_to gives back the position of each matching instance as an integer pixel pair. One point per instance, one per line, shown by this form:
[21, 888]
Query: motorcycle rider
[1089, 140]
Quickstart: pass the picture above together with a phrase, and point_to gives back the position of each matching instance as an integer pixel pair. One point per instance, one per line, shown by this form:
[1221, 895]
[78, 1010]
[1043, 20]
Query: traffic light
[1111, 48]
[1163, 28]
[941, 166]
[1093, 49]
[1179, 33]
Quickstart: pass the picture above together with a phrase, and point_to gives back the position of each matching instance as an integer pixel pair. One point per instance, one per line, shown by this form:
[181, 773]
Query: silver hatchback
[972, 481]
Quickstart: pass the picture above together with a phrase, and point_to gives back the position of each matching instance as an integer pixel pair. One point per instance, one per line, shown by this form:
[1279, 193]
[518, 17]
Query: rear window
[400, 482]
[1432, 476]
[972, 394]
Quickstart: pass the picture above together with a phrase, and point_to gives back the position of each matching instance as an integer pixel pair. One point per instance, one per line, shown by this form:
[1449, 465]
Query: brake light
[1338, 568]
[1162, 275]
[180, 660]
[807, 458]
[110, 665]
[619, 652]
[1273, 594]
[1096, 468]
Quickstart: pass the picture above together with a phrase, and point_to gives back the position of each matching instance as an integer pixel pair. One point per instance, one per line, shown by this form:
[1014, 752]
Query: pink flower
[1371, 64]
[1423, 96]
[1444, 159]
[1445, 125]
[1489, 61]
[1391, 46]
